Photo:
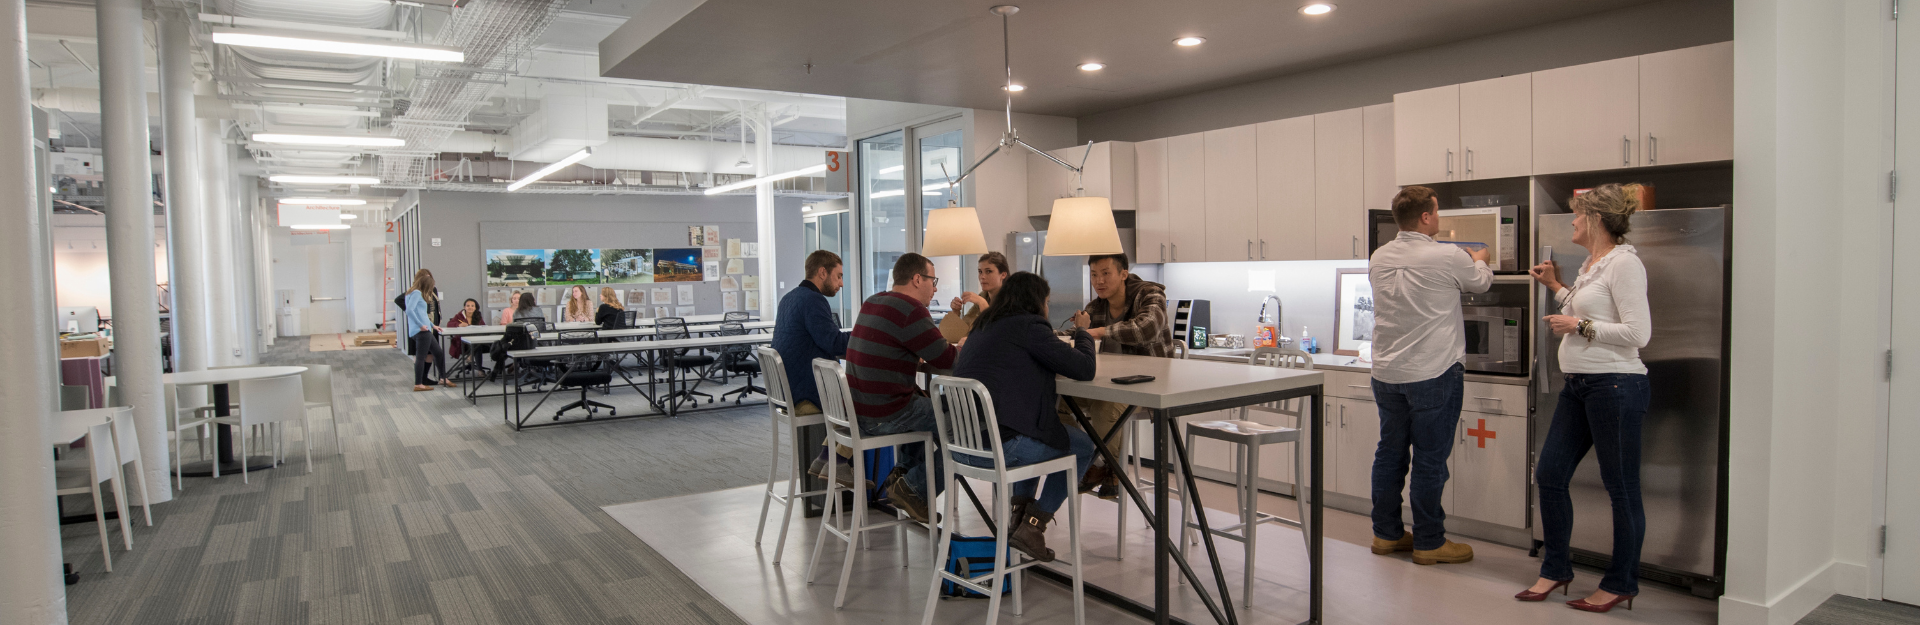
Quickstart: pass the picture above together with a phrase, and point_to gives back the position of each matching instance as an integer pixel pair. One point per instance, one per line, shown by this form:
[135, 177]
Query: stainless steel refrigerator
[1066, 275]
[1683, 451]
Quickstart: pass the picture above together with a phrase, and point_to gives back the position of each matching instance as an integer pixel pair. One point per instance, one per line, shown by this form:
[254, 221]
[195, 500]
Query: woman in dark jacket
[1014, 353]
[611, 315]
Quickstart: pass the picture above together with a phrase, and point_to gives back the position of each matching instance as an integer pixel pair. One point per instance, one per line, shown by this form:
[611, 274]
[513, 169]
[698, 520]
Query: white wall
[80, 261]
[1810, 250]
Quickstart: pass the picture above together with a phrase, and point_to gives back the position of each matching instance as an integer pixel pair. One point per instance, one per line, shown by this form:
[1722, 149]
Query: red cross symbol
[1482, 433]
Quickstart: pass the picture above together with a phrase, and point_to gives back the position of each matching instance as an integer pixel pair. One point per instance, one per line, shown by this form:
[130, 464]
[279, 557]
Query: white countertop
[1333, 362]
[1179, 383]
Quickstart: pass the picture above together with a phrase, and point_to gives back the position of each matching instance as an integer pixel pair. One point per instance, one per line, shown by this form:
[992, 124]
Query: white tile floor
[710, 537]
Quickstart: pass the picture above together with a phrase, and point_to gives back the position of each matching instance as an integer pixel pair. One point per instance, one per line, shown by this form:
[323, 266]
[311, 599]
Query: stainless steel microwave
[1500, 228]
[1495, 339]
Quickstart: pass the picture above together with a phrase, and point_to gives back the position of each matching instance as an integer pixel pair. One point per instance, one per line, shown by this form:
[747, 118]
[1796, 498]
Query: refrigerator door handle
[1541, 334]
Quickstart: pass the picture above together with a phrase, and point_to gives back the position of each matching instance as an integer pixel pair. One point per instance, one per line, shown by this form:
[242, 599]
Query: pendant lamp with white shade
[953, 231]
[1082, 226]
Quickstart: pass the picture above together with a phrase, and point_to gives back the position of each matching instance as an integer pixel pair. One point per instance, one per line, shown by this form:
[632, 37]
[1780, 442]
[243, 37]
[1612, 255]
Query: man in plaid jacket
[1129, 316]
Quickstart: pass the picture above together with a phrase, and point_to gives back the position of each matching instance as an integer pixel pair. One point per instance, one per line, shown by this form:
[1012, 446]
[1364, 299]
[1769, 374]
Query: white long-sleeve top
[1612, 294]
[1418, 332]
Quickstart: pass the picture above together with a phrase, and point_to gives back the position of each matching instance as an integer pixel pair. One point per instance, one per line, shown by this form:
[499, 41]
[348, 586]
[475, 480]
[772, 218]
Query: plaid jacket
[1142, 329]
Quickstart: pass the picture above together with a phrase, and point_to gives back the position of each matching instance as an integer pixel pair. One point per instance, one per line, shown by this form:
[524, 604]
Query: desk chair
[316, 389]
[740, 316]
[271, 402]
[963, 414]
[671, 328]
[102, 466]
[584, 371]
[191, 412]
[738, 359]
[780, 408]
[836, 404]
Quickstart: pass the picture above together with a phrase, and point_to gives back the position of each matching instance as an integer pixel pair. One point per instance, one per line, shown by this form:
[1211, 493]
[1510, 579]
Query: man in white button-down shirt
[1418, 380]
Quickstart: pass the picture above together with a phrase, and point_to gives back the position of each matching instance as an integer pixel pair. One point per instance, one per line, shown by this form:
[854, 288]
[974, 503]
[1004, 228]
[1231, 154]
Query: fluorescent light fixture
[556, 166]
[892, 169]
[349, 216]
[324, 201]
[1015, 88]
[772, 178]
[288, 179]
[1318, 8]
[321, 227]
[1188, 42]
[346, 140]
[893, 193]
[1092, 67]
[307, 42]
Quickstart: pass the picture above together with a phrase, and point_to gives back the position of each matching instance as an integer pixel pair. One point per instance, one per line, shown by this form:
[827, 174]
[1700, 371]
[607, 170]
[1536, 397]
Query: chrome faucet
[1277, 306]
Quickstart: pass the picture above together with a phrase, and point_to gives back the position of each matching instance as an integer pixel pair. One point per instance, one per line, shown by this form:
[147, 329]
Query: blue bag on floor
[971, 556]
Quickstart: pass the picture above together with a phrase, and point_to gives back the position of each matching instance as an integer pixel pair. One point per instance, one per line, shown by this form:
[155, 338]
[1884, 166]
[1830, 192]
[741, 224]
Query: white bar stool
[843, 427]
[1247, 437]
[780, 408]
[963, 412]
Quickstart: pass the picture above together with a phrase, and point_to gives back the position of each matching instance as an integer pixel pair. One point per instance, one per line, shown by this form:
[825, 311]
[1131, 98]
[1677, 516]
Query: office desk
[1179, 388]
[575, 356]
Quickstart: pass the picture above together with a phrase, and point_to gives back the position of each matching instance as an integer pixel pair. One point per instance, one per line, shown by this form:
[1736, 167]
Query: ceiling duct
[563, 125]
[494, 34]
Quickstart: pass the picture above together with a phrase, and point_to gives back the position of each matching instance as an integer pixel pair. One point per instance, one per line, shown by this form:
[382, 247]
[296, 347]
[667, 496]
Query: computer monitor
[79, 319]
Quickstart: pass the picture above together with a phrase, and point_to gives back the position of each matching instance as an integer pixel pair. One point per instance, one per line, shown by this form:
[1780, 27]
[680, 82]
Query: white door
[1340, 213]
[1150, 221]
[1426, 135]
[1586, 117]
[1285, 188]
[1187, 198]
[1232, 210]
[1496, 128]
[1490, 469]
[1685, 96]
[1902, 561]
[328, 311]
[1356, 428]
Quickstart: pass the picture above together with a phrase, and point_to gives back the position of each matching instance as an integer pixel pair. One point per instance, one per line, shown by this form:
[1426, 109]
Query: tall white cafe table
[1180, 388]
[220, 380]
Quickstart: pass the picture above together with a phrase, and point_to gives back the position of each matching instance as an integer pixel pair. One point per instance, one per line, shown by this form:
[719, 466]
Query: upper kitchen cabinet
[1496, 128]
[1285, 186]
[1686, 105]
[1426, 135]
[1187, 198]
[1232, 216]
[1150, 219]
[1377, 133]
[1587, 117]
[1340, 217]
[1109, 173]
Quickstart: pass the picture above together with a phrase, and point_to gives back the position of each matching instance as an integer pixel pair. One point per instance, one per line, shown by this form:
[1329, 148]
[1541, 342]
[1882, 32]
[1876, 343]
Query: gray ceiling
[948, 52]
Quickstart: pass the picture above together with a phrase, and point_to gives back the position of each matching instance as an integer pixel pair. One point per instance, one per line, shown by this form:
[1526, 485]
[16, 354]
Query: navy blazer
[1017, 358]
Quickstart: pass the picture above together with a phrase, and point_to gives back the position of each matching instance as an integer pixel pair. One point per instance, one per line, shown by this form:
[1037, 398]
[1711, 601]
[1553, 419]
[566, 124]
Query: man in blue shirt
[804, 329]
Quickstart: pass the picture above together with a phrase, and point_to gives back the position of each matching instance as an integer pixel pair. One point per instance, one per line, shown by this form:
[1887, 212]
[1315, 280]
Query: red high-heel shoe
[1581, 604]
[1530, 595]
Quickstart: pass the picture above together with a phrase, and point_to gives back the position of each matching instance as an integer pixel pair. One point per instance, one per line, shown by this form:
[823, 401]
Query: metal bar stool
[1247, 437]
[780, 408]
[836, 404]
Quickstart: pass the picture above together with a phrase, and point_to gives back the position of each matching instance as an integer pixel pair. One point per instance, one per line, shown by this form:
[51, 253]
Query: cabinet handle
[1353, 247]
[1653, 149]
[1462, 429]
[1163, 252]
[1249, 249]
[1359, 386]
[1176, 250]
[1493, 399]
[1469, 160]
[1449, 164]
[1263, 248]
[1626, 150]
[1343, 416]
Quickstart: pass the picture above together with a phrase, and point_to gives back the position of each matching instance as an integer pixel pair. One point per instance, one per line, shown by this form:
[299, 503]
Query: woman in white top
[1603, 325]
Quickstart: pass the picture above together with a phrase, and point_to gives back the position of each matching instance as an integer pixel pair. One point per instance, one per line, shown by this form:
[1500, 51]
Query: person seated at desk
[992, 270]
[1129, 316]
[611, 315]
[1012, 351]
[803, 330]
[469, 315]
[506, 314]
[892, 336]
[579, 306]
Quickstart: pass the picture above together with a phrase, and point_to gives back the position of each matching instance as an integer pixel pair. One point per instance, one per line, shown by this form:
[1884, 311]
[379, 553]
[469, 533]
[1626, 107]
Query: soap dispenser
[1266, 328]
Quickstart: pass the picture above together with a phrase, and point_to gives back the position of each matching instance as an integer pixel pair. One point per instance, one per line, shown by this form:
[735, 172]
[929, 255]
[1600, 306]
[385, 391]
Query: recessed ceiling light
[1014, 88]
[1188, 42]
[1092, 67]
[1317, 8]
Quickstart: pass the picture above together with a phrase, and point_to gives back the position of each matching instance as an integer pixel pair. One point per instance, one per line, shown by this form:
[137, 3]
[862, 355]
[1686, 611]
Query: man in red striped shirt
[892, 336]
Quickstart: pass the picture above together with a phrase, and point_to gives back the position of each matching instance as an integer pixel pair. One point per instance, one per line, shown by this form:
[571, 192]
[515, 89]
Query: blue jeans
[918, 417]
[1421, 416]
[1021, 450]
[1603, 412]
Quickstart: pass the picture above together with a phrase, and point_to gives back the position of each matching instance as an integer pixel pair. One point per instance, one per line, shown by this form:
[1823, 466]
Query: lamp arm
[975, 165]
[1023, 143]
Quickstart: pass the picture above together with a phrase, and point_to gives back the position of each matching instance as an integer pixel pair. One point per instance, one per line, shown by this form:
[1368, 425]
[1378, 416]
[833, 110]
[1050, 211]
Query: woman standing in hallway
[579, 306]
[1604, 323]
[611, 315]
[421, 330]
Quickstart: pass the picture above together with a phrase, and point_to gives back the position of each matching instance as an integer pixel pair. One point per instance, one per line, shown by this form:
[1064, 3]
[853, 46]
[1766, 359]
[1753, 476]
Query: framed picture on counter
[1353, 311]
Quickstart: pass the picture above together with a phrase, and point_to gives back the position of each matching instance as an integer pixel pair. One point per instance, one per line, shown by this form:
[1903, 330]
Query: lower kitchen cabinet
[1490, 469]
[1356, 433]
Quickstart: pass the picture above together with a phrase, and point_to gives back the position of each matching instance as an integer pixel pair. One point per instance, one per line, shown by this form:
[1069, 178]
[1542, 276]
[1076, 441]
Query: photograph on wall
[730, 301]
[677, 264]
[662, 295]
[636, 299]
[686, 294]
[753, 299]
[696, 235]
[710, 252]
[1353, 317]
[626, 266]
[712, 270]
[751, 283]
[573, 267]
[516, 267]
[729, 283]
[683, 311]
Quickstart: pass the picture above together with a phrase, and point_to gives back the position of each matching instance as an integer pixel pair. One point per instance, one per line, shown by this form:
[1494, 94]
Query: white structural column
[30, 590]
[129, 196]
[186, 208]
[247, 196]
[222, 289]
[763, 214]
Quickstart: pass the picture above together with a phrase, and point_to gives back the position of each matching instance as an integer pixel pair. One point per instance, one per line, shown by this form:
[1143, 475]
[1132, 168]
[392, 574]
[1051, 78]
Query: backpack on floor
[972, 556]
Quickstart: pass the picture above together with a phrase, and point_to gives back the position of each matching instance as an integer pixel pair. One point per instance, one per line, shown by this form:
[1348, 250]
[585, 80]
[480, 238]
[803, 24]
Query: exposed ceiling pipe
[688, 93]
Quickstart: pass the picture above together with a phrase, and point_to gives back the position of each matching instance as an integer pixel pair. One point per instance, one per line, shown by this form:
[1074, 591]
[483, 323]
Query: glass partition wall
[904, 175]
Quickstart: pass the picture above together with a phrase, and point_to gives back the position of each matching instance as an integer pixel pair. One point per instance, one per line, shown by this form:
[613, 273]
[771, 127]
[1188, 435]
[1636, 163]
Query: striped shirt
[890, 337]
